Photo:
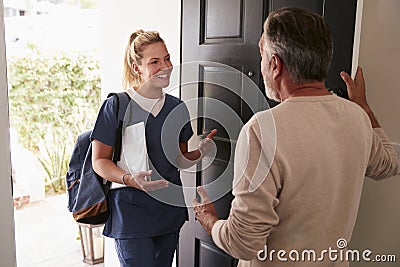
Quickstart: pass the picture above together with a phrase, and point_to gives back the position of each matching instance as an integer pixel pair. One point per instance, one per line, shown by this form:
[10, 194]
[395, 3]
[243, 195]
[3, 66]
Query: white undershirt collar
[151, 105]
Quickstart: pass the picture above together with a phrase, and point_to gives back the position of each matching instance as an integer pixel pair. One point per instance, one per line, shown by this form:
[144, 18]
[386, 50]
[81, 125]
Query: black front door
[221, 80]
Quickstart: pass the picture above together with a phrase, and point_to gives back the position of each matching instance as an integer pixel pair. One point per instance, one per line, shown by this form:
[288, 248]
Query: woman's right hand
[140, 181]
[206, 144]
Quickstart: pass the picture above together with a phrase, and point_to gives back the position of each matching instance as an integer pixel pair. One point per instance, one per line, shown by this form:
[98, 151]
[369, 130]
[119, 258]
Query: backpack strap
[122, 104]
[124, 100]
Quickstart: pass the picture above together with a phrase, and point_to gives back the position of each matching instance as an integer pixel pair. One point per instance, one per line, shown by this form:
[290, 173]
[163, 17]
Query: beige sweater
[299, 190]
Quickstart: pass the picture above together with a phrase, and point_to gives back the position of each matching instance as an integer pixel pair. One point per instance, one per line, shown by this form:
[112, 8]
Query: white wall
[7, 234]
[380, 58]
[378, 222]
[119, 18]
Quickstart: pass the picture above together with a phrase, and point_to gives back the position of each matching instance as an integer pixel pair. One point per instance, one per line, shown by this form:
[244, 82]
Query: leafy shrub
[53, 91]
[54, 160]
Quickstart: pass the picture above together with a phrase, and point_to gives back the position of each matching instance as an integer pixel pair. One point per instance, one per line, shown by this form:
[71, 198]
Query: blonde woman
[144, 220]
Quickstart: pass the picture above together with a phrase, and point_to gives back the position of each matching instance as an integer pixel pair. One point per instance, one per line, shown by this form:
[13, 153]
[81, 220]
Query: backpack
[87, 191]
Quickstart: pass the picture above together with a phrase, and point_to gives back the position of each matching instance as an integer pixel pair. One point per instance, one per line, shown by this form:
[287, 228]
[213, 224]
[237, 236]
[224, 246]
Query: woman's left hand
[140, 181]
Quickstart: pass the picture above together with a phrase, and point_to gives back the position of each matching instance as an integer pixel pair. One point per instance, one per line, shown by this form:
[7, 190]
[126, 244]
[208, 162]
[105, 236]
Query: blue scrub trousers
[147, 252]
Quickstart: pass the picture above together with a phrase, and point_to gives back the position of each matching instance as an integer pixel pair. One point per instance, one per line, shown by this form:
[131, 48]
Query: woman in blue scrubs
[145, 218]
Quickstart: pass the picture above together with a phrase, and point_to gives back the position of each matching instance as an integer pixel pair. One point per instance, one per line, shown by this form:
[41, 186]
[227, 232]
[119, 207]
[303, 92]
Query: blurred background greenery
[53, 97]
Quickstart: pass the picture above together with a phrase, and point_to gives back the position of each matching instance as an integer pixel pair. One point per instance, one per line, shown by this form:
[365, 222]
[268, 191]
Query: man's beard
[270, 91]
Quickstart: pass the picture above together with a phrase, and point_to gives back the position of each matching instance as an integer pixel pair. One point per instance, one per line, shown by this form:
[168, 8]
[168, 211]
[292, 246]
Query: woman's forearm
[108, 170]
[188, 159]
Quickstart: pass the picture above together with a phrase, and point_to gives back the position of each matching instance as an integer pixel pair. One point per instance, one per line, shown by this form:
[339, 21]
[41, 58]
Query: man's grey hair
[303, 40]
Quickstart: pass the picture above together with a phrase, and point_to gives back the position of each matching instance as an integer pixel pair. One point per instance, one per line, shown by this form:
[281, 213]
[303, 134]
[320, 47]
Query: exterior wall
[379, 216]
[122, 17]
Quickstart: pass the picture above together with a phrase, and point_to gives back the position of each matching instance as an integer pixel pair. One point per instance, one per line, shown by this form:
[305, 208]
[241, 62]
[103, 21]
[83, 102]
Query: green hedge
[53, 97]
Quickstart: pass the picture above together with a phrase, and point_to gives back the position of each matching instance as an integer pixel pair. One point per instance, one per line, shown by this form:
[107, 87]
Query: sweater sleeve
[383, 161]
[255, 191]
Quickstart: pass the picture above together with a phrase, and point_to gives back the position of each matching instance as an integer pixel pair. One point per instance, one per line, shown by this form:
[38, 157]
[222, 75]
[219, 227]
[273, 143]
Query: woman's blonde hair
[138, 40]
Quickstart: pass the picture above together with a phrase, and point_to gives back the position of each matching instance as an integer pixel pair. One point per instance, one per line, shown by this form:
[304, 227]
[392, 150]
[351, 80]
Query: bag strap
[122, 104]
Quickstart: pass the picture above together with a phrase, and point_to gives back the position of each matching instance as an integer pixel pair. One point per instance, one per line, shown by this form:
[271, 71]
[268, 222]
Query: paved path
[46, 235]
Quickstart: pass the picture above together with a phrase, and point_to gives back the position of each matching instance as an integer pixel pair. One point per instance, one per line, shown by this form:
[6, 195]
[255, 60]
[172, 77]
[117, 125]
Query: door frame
[7, 231]
[357, 37]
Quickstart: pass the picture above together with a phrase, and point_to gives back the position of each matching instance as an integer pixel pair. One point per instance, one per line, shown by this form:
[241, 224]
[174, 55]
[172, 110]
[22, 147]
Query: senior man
[307, 200]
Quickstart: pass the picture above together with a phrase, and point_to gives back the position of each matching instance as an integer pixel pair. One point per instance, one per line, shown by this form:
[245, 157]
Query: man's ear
[276, 66]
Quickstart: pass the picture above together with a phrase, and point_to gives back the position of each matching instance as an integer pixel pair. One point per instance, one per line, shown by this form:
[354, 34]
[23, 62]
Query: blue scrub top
[133, 212]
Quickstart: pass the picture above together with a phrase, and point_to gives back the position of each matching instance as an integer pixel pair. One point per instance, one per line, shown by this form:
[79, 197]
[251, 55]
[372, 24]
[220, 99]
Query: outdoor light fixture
[92, 241]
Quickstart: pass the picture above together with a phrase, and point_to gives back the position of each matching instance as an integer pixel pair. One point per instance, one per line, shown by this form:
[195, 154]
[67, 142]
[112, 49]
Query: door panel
[212, 256]
[226, 32]
[215, 30]
[314, 5]
[224, 85]
[340, 15]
